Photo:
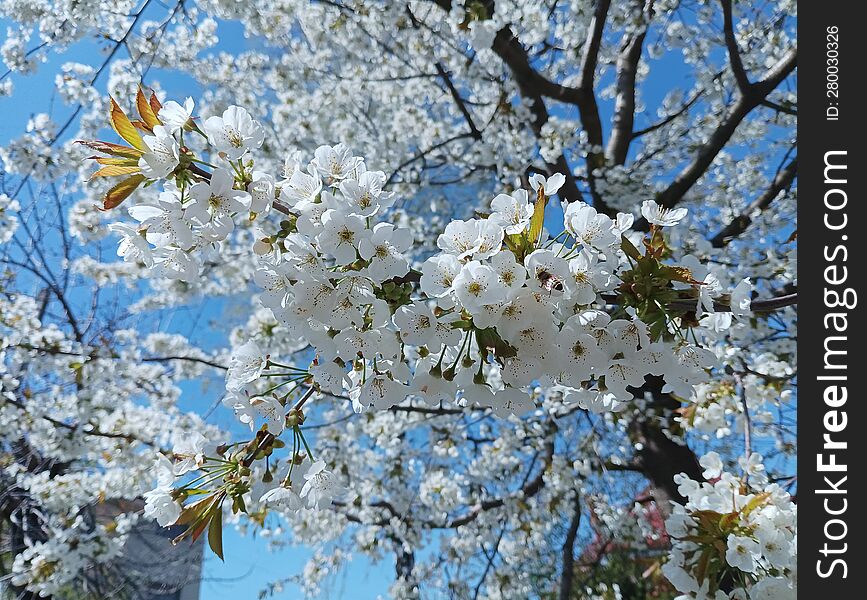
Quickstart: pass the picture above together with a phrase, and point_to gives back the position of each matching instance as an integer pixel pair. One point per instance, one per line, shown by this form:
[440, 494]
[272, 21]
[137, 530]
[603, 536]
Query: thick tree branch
[533, 87]
[734, 52]
[624, 105]
[782, 182]
[756, 306]
[567, 563]
[660, 457]
[708, 151]
[586, 101]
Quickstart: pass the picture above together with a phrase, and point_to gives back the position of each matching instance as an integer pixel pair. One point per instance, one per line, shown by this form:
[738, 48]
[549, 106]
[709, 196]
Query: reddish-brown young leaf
[121, 162]
[145, 110]
[155, 103]
[141, 126]
[121, 191]
[112, 149]
[115, 171]
[124, 128]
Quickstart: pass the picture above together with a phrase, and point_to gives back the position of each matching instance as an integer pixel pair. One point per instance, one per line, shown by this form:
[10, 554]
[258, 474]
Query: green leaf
[701, 568]
[489, 338]
[538, 218]
[215, 534]
[517, 244]
[755, 503]
[629, 248]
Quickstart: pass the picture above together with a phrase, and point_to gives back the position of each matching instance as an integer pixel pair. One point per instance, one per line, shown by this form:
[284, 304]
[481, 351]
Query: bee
[549, 281]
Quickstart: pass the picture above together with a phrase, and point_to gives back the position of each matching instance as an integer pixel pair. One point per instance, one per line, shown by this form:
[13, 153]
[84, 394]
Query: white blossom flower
[166, 223]
[175, 116]
[477, 285]
[512, 274]
[163, 154]
[190, 453]
[742, 553]
[133, 247]
[550, 185]
[283, 498]
[335, 163]
[589, 227]
[321, 486]
[341, 235]
[438, 274]
[511, 401]
[712, 464]
[416, 323]
[330, 377]
[777, 548]
[582, 287]
[247, 363]
[513, 212]
[216, 202]
[160, 504]
[365, 195]
[262, 192]
[548, 272]
[460, 238]
[234, 133]
[174, 263]
[302, 188]
[741, 298]
[384, 249]
[578, 355]
[270, 409]
[663, 217]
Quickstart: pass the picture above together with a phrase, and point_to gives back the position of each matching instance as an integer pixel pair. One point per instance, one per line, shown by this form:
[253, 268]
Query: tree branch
[567, 568]
[782, 182]
[708, 151]
[734, 53]
[669, 118]
[624, 105]
[588, 108]
[528, 490]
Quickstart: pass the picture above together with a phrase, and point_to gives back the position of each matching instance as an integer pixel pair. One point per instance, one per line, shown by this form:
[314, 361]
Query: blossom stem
[304, 398]
[304, 441]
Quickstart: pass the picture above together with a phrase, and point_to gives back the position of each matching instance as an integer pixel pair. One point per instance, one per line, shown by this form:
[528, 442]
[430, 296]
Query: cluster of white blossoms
[49, 568]
[734, 537]
[503, 307]
[454, 100]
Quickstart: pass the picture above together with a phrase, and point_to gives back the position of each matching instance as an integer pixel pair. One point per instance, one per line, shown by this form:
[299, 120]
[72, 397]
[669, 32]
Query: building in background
[155, 568]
